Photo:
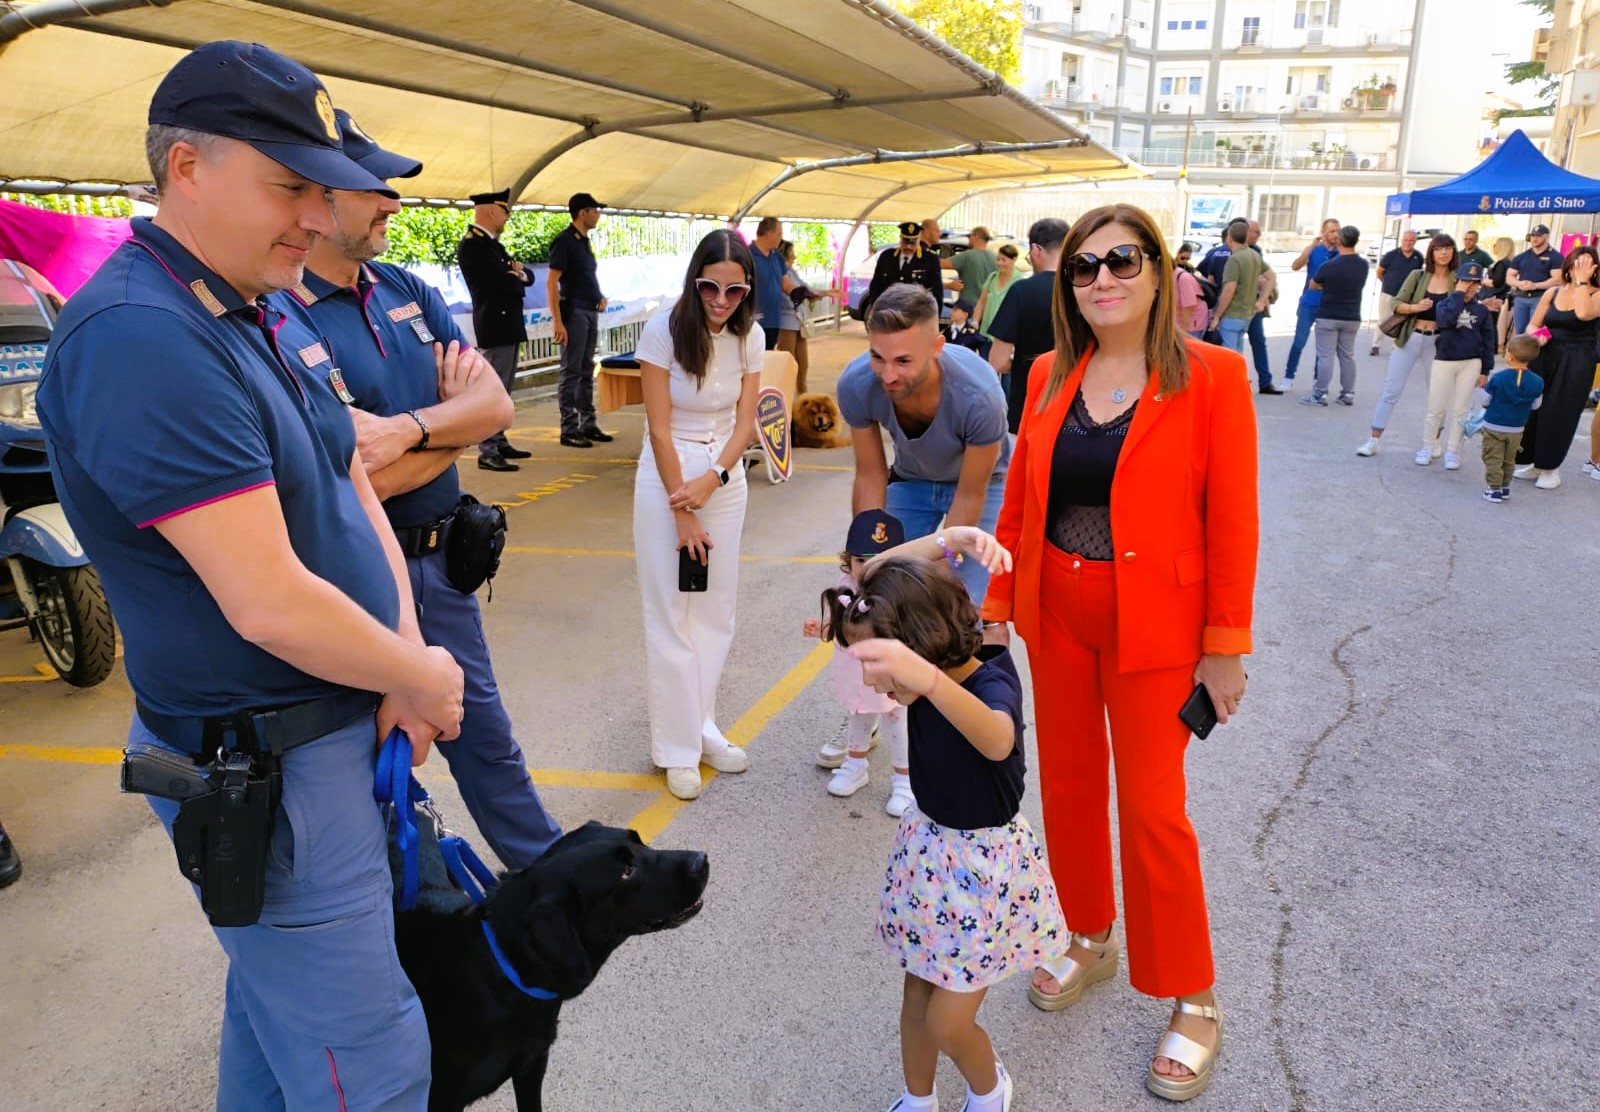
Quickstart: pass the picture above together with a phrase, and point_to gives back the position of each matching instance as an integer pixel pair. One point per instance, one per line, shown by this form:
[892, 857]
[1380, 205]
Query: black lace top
[1085, 459]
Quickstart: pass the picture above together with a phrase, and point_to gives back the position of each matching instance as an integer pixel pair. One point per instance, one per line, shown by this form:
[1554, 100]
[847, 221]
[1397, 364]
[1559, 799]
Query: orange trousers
[1076, 687]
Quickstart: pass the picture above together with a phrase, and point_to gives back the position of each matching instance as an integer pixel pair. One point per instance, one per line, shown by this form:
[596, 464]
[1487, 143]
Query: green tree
[987, 31]
[76, 204]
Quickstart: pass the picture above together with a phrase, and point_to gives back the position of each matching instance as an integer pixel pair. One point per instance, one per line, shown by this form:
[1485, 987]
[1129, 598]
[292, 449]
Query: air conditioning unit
[1164, 106]
[1348, 104]
[1224, 104]
[1367, 164]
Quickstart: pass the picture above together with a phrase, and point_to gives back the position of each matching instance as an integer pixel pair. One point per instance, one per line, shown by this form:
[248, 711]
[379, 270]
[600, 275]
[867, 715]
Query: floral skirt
[964, 909]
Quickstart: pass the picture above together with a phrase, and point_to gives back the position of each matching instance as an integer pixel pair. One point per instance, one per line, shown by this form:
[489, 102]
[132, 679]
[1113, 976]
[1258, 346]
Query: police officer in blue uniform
[210, 469]
[420, 395]
[496, 282]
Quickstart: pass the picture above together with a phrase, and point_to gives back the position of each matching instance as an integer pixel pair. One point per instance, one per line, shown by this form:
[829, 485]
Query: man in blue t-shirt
[209, 468]
[943, 408]
[1531, 273]
[1310, 260]
[772, 282]
[1341, 281]
[419, 396]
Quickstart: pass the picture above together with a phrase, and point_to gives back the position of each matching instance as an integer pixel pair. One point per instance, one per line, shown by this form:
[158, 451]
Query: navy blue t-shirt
[956, 785]
[381, 333]
[165, 391]
[1397, 268]
[1536, 266]
[1343, 278]
[573, 255]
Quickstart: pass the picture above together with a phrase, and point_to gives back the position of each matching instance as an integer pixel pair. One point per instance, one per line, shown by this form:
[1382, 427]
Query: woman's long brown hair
[1163, 343]
[689, 325]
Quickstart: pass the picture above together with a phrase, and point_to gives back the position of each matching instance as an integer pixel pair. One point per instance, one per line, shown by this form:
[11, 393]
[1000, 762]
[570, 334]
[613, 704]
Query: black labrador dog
[555, 922]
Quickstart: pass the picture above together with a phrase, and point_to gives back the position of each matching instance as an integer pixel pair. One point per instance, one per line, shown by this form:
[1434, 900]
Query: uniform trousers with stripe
[687, 634]
[1078, 685]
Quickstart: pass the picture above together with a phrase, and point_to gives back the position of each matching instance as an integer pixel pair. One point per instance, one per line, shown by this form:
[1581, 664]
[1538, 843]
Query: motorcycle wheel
[74, 625]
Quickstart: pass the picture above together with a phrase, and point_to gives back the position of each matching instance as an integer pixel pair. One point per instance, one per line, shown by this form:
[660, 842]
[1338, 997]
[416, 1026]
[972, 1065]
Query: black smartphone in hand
[1198, 712]
[692, 574]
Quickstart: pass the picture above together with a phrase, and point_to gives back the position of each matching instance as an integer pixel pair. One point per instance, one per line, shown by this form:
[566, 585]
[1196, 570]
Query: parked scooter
[47, 585]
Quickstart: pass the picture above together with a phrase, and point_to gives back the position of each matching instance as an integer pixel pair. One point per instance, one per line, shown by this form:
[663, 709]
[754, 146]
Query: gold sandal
[1186, 1052]
[1073, 976]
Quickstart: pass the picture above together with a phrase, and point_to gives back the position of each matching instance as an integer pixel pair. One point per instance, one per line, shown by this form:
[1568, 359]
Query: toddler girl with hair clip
[967, 899]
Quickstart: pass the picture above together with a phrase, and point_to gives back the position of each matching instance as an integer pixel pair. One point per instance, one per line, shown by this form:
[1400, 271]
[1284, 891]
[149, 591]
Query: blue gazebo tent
[1514, 179]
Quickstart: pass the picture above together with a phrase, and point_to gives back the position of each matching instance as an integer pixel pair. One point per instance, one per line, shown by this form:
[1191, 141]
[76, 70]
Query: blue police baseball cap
[361, 149]
[873, 532]
[1469, 271]
[244, 91]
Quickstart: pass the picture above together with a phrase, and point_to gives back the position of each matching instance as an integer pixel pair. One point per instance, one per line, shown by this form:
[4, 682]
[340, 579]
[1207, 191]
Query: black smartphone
[692, 574]
[1198, 712]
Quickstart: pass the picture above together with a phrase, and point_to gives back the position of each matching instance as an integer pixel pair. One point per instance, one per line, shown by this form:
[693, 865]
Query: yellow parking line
[623, 553]
[655, 818]
[28, 679]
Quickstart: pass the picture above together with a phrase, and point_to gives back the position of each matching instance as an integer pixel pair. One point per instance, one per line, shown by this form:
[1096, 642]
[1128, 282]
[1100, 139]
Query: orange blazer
[1183, 514]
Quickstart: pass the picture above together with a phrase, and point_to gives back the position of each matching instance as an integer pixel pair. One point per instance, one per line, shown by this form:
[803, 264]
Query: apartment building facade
[1293, 108]
[1571, 50]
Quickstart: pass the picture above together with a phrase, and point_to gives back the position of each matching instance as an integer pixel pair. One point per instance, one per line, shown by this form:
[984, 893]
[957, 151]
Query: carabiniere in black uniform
[920, 267]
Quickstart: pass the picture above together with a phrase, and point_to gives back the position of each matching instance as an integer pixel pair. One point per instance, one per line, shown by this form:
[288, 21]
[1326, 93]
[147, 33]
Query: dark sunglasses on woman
[1124, 261]
[710, 288]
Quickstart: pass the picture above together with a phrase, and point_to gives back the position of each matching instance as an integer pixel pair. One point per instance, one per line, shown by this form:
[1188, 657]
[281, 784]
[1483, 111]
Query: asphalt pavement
[1398, 832]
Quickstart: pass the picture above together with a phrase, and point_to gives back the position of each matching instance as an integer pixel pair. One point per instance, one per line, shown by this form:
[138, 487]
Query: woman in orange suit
[1131, 513]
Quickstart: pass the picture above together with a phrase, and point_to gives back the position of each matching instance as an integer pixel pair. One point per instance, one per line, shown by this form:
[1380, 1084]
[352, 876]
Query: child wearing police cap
[871, 533]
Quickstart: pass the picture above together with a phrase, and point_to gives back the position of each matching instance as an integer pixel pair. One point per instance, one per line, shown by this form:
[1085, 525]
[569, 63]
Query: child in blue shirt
[968, 898]
[1508, 397]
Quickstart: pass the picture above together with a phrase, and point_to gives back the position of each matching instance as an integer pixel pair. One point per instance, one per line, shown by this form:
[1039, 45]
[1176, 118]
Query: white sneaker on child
[909, 1103]
[900, 798]
[849, 777]
[832, 754]
[997, 1101]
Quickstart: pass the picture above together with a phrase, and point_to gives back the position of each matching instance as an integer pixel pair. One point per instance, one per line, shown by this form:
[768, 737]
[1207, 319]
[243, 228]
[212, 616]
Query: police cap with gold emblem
[244, 91]
[502, 198]
[873, 532]
[910, 229]
[363, 150]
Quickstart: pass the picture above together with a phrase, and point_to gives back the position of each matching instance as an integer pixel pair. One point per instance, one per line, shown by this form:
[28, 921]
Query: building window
[1280, 212]
[1187, 25]
[1166, 86]
[1252, 31]
[1200, 24]
[1172, 24]
[1194, 86]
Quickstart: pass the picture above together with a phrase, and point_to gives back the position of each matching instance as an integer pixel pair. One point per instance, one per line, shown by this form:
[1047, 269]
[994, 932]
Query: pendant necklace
[1119, 395]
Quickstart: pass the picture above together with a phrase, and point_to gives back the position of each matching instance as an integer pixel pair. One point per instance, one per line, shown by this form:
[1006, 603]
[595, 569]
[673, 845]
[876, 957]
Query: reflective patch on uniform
[420, 327]
[207, 298]
[336, 380]
[302, 293]
[313, 355]
[405, 312]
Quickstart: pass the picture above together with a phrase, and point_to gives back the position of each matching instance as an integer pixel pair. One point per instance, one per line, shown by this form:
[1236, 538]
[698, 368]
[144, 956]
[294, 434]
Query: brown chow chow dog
[817, 423]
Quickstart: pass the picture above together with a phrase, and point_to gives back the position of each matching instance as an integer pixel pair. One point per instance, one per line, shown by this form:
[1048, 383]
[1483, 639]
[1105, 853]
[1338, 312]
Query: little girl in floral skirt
[967, 899]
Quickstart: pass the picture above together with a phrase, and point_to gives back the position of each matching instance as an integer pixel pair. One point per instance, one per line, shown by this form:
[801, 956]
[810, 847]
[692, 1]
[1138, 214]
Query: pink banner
[65, 249]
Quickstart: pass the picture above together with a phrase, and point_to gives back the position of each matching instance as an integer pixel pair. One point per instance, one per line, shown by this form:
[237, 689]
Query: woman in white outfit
[1413, 347]
[701, 372]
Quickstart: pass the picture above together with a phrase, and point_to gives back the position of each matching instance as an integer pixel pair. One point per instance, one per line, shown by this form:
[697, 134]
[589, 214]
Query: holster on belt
[472, 551]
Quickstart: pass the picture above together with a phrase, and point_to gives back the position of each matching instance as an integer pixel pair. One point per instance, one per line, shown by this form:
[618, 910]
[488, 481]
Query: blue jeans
[1304, 317]
[1232, 331]
[1522, 312]
[318, 1012]
[920, 506]
[1258, 350]
[489, 768]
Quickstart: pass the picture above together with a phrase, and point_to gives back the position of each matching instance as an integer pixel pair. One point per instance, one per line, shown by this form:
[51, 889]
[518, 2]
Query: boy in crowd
[962, 332]
[1508, 397]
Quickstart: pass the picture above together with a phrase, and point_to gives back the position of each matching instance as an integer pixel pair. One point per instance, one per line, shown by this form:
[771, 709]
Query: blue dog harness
[395, 786]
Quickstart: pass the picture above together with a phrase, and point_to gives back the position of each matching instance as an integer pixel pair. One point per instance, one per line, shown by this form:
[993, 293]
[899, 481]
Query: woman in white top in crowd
[701, 372]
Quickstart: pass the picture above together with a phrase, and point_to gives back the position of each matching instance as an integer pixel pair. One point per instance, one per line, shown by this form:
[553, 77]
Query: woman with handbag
[1565, 323]
[1131, 511]
[1413, 327]
[700, 367]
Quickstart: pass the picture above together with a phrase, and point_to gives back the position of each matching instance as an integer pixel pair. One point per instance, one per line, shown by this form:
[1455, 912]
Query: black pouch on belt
[472, 552]
[222, 838]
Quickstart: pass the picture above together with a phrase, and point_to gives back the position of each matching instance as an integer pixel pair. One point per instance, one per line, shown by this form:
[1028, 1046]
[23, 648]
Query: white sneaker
[731, 759]
[1591, 469]
[684, 782]
[973, 1101]
[1370, 448]
[1548, 480]
[832, 754]
[848, 779]
[1423, 457]
[900, 798]
[909, 1103]
[1452, 461]
[1526, 471]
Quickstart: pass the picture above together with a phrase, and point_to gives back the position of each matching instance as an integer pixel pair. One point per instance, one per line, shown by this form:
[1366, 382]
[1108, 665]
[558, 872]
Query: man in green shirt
[1243, 294]
[972, 266]
[1471, 250]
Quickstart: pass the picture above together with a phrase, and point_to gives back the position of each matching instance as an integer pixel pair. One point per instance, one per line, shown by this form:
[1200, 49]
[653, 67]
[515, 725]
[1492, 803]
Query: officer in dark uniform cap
[209, 467]
[396, 344]
[913, 262]
[496, 282]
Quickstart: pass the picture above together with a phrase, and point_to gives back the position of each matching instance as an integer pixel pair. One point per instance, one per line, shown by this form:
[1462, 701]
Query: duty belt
[262, 730]
[420, 540]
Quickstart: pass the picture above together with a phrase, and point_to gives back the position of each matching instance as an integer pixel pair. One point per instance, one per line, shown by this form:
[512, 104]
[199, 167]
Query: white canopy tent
[821, 109]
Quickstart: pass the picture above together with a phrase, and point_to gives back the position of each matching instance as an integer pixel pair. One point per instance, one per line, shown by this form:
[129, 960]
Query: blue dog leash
[393, 784]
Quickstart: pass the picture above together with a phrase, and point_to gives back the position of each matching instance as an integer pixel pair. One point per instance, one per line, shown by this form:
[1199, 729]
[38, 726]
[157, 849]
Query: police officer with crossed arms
[420, 395]
[208, 465]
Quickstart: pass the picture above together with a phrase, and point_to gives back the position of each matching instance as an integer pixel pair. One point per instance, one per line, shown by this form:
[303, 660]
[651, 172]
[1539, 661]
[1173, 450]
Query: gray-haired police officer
[421, 395]
[211, 472]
